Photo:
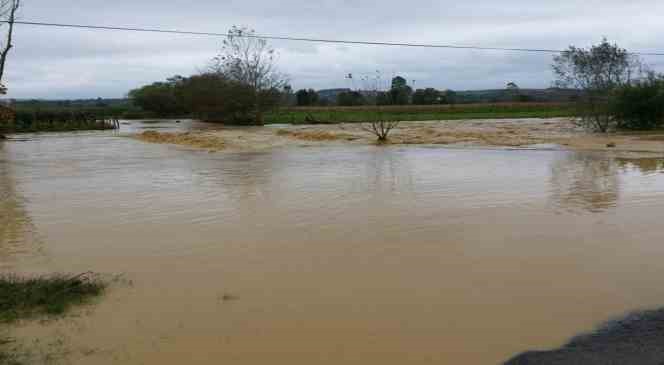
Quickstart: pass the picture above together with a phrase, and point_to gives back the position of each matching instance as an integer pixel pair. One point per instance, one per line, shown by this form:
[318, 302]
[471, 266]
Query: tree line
[399, 93]
[615, 89]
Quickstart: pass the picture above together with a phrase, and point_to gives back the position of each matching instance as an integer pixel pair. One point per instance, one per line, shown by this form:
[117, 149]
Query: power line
[304, 39]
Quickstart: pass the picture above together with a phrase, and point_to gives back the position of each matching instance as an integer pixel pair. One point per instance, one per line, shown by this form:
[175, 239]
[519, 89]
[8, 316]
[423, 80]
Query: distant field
[338, 114]
[343, 114]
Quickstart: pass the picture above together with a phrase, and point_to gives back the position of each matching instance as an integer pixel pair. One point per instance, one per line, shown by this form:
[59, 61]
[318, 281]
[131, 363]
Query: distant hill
[488, 96]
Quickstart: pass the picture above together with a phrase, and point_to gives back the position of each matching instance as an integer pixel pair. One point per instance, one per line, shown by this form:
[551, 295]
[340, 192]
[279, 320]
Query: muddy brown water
[357, 255]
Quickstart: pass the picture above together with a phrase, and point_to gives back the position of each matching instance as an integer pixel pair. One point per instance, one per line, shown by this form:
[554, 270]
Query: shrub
[350, 98]
[597, 72]
[640, 105]
[214, 97]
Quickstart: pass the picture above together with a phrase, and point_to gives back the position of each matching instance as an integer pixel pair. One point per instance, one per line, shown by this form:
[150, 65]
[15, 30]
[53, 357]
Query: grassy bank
[304, 115]
[24, 298]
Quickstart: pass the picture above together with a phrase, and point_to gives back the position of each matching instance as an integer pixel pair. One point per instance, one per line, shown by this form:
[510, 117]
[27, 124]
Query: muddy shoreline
[502, 133]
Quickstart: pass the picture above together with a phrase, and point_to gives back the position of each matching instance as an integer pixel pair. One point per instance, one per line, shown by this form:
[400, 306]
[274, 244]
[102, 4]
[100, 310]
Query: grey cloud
[62, 63]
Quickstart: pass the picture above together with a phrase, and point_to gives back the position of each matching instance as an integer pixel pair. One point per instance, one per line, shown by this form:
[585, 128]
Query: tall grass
[22, 298]
[45, 295]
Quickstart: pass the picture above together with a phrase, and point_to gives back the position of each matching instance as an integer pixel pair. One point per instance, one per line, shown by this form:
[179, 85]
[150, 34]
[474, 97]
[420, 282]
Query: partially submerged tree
[249, 60]
[596, 72]
[380, 125]
[214, 97]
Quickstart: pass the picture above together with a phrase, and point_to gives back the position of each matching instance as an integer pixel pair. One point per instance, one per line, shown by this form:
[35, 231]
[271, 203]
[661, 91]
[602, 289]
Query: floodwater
[352, 255]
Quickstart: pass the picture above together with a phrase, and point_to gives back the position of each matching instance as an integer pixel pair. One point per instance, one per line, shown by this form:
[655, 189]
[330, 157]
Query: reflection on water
[336, 255]
[16, 229]
[584, 181]
[644, 165]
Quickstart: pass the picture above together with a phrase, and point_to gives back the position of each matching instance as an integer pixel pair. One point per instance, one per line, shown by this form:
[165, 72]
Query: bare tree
[8, 9]
[380, 125]
[250, 60]
[597, 72]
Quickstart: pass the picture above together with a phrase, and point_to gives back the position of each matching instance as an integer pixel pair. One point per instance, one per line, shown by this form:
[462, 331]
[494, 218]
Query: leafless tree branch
[8, 9]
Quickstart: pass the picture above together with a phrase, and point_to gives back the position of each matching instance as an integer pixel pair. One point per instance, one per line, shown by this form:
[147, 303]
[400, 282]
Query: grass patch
[9, 354]
[314, 136]
[45, 295]
[183, 138]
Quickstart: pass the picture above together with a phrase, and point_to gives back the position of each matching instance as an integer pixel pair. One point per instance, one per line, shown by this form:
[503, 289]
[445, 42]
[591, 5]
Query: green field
[300, 115]
[305, 115]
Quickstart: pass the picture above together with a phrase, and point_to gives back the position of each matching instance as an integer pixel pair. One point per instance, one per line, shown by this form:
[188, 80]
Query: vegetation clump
[50, 295]
[22, 298]
[640, 105]
[313, 135]
[184, 138]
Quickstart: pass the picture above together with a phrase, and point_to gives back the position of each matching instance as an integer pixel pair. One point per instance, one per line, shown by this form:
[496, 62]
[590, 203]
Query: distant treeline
[102, 108]
[400, 93]
[207, 97]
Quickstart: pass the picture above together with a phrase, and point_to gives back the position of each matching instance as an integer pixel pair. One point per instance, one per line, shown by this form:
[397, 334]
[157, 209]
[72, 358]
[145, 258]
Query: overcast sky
[69, 63]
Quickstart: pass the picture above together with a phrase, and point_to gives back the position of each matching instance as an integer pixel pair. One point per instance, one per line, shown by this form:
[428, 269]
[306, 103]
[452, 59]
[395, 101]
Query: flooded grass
[186, 139]
[10, 353]
[24, 298]
[314, 135]
[8, 358]
[45, 295]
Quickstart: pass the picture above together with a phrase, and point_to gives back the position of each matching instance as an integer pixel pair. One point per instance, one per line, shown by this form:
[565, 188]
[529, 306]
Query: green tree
[596, 72]
[450, 97]
[400, 92]
[350, 98]
[214, 97]
[427, 96]
[160, 98]
[640, 104]
[306, 97]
